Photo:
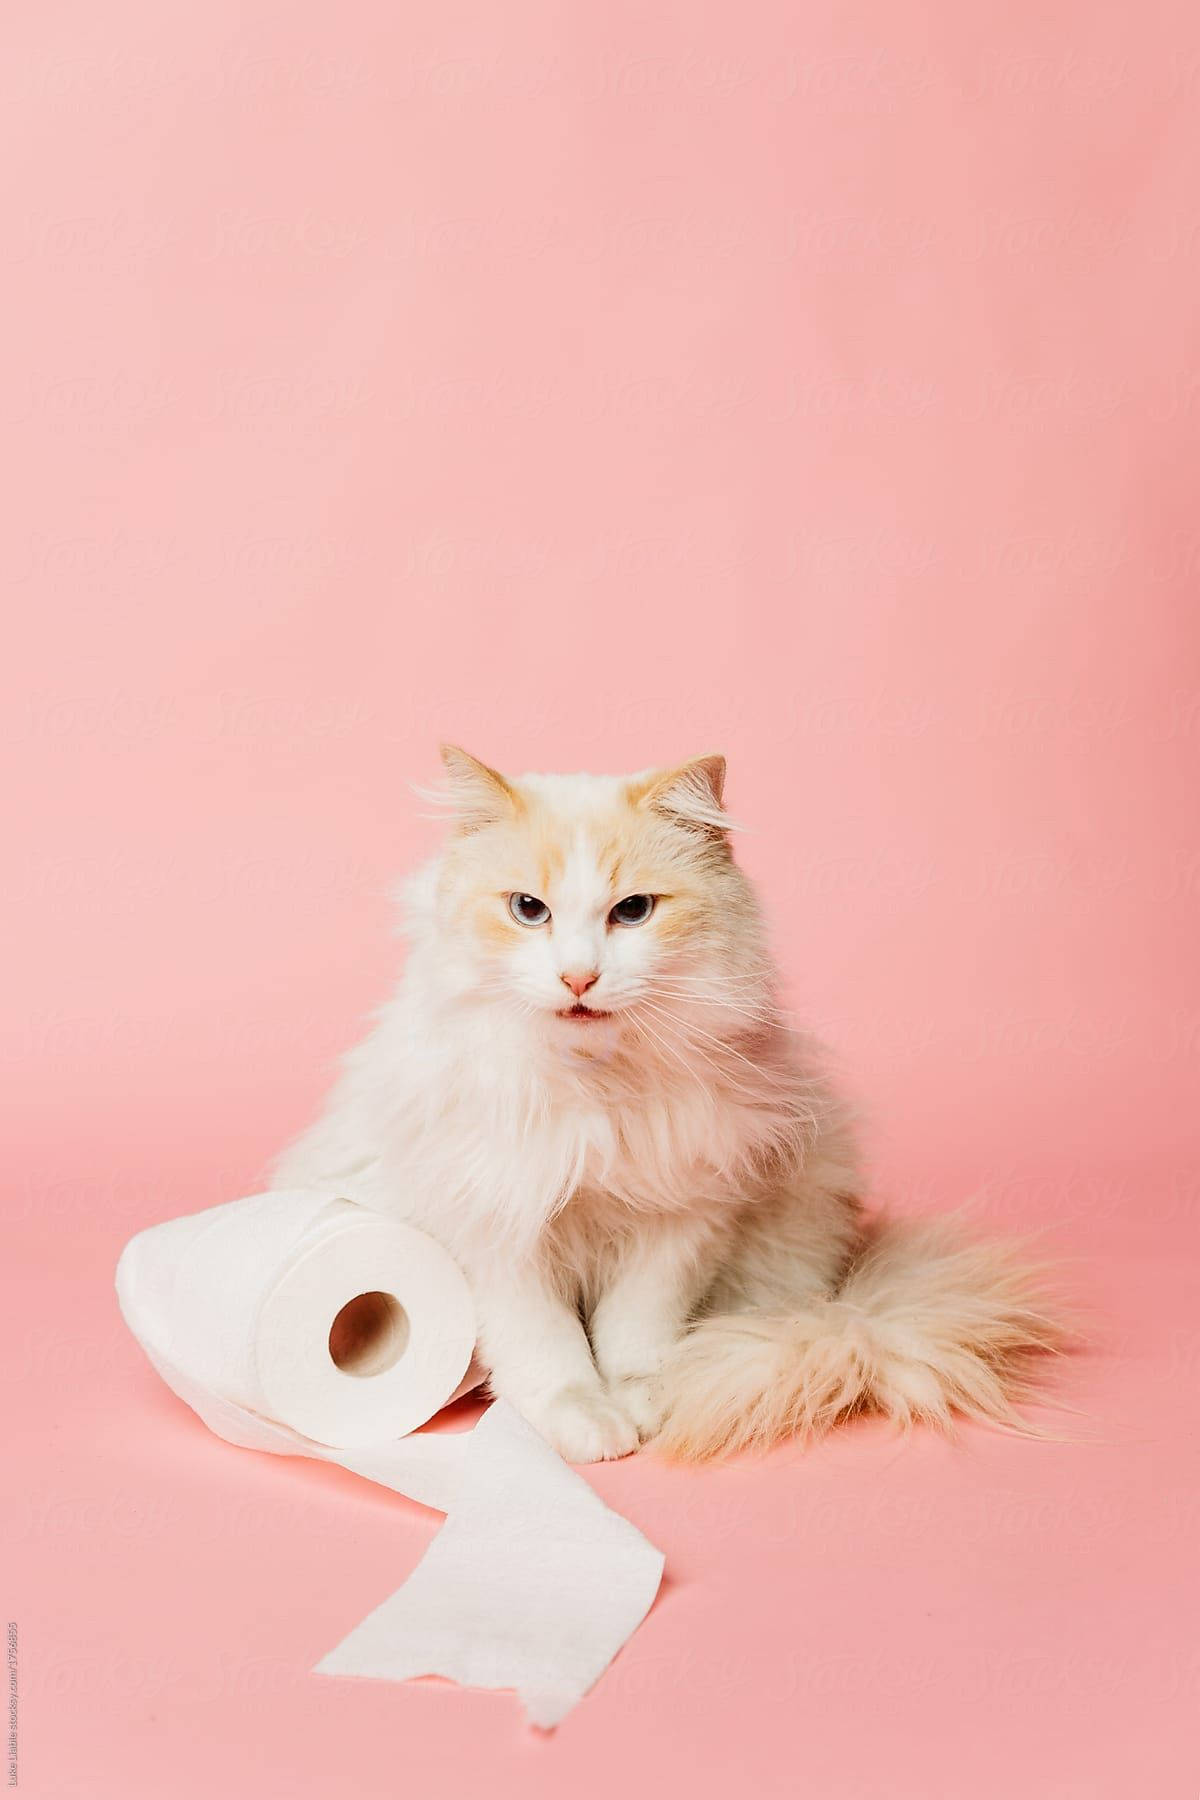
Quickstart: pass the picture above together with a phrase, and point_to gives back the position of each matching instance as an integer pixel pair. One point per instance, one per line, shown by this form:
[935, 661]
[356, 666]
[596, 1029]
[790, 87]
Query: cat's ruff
[651, 1186]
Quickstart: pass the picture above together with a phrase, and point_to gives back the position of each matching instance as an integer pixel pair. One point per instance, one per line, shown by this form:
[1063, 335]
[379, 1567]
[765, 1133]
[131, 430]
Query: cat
[584, 1088]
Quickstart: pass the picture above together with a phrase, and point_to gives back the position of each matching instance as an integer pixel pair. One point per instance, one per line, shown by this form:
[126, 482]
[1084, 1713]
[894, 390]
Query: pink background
[818, 386]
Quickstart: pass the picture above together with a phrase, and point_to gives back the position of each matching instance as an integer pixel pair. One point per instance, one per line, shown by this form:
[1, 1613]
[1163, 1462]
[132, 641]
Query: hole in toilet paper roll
[369, 1335]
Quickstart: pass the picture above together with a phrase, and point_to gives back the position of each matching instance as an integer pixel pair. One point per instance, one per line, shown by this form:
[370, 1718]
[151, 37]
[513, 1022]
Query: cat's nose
[579, 983]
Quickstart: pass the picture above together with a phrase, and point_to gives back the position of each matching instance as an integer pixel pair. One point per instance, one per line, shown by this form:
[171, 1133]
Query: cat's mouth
[581, 1013]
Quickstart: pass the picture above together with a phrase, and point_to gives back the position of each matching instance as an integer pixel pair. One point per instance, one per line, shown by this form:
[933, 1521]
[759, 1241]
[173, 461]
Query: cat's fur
[658, 1211]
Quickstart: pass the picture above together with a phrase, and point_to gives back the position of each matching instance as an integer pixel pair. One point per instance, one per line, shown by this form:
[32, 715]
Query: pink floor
[985, 1619]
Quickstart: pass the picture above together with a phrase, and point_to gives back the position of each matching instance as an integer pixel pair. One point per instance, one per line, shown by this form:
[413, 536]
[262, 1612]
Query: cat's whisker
[762, 1013]
[665, 1021]
[646, 1029]
[752, 994]
[744, 980]
[686, 1034]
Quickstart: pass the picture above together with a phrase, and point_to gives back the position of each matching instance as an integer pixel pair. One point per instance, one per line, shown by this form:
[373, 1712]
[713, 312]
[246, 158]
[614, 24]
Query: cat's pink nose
[579, 984]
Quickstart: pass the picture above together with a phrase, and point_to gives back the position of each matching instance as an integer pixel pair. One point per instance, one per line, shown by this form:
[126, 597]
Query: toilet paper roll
[302, 1323]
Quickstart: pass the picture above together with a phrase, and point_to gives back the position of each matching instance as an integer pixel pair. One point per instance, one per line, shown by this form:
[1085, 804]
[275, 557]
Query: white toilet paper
[303, 1324]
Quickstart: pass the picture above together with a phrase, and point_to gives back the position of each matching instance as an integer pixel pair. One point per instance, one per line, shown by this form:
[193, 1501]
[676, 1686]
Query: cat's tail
[924, 1325]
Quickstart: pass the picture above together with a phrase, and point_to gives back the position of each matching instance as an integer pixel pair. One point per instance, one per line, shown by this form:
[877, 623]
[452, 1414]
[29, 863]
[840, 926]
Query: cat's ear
[477, 795]
[693, 793]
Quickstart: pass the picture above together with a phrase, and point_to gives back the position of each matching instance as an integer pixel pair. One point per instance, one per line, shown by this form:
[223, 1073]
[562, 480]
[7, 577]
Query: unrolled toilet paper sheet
[532, 1583]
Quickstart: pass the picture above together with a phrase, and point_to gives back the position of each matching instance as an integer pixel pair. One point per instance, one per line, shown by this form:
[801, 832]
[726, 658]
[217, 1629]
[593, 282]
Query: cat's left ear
[693, 793]
[479, 795]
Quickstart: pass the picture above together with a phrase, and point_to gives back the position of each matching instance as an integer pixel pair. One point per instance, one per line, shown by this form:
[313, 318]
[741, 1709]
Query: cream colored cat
[584, 1088]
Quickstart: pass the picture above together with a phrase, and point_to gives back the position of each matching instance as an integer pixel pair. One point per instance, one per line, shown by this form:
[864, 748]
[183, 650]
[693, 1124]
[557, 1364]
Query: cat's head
[597, 906]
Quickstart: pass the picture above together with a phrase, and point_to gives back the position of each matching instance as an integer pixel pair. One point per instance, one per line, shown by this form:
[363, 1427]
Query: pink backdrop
[595, 391]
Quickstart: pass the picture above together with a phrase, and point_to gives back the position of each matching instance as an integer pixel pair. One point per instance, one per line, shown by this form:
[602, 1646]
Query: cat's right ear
[477, 794]
[692, 793]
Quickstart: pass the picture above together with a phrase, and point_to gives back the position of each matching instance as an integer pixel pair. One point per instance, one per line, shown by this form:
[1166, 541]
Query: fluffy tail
[924, 1325]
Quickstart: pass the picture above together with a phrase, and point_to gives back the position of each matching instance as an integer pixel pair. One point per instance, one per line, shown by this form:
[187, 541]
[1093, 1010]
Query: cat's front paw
[642, 1398]
[582, 1426]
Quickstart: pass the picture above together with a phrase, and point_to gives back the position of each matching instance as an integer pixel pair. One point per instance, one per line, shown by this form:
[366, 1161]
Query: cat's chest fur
[662, 1151]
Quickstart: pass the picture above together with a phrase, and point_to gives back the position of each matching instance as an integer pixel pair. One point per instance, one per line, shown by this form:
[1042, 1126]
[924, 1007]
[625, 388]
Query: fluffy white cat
[584, 1089]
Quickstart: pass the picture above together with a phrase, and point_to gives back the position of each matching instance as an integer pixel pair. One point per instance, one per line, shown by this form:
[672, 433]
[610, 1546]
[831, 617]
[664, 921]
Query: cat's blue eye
[527, 909]
[634, 910]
